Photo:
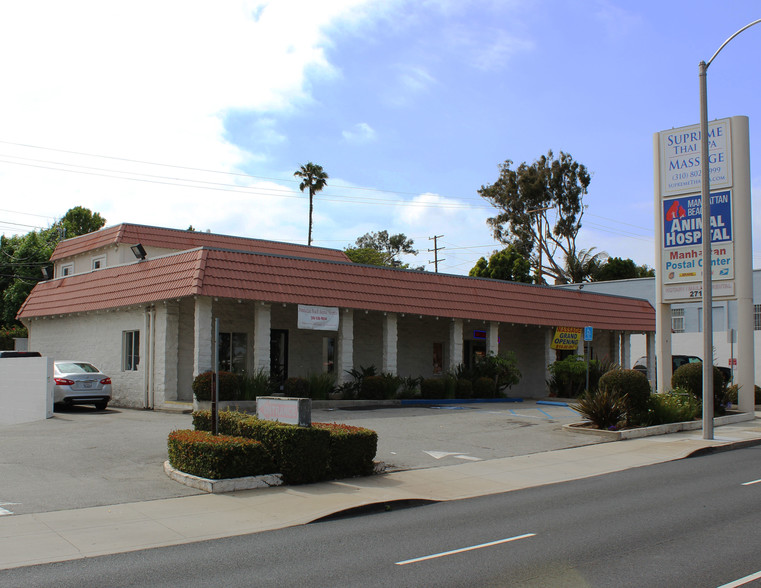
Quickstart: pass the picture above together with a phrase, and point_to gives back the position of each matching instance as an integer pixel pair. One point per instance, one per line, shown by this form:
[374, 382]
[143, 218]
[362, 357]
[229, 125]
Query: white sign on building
[318, 318]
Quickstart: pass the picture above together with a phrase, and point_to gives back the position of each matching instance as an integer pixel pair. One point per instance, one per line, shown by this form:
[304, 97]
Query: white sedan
[80, 382]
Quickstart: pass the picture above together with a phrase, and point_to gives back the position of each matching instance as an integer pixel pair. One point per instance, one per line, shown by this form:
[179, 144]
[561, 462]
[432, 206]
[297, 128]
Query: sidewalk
[72, 534]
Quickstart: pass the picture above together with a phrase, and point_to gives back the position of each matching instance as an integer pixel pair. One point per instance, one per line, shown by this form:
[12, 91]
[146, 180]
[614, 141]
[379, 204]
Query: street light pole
[705, 186]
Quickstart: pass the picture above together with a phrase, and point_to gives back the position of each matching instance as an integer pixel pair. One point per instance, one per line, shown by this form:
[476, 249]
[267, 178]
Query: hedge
[351, 450]
[302, 454]
[200, 453]
[229, 386]
[634, 389]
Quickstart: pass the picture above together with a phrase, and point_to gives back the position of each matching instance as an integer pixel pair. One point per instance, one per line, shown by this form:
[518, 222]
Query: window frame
[677, 320]
[100, 260]
[130, 350]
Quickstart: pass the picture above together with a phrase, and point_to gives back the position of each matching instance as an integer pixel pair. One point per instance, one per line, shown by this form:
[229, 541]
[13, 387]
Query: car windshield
[76, 367]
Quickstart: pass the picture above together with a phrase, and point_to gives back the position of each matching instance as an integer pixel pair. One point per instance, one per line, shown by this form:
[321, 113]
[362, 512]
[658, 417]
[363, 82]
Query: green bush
[432, 388]
[690, 378]
[215, 457]
[503, 369]
[464, 388]
[7, 336]
[633, 387]
[228, 421]
[321, 385]
[372, 388]
[409, 387]
[296, 388]
[676, 406]
[484, 387]
[254, 385]
[734, 389]
[569, 376]
[300, 453]
[351, 450]
[604, 408]
[229, 386]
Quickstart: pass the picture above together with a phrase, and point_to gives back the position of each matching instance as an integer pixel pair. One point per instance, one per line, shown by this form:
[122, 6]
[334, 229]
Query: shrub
[484, 388]
[296, 388]
[321, 385]
[690, 378]
[351, 450]
[633, 387]
[569, 376]
[676, 406]
[257, 384]
[432, 388]
[8, 334]
[201, 454]
[409, 387]
[734, 390]
[372, 388]
[605, 408]
[300, 453]
[464, 388]
[228, 421]
[229, 386]
[503, 369]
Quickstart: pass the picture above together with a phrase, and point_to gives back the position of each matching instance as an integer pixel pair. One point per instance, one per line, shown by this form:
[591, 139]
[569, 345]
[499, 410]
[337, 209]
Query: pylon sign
[679, 209]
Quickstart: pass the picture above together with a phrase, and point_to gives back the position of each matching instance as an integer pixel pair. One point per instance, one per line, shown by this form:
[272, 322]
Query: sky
[196, 113]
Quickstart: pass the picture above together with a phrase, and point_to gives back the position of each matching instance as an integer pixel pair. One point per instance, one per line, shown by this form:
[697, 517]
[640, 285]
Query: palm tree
[312, 177]
[584, 265]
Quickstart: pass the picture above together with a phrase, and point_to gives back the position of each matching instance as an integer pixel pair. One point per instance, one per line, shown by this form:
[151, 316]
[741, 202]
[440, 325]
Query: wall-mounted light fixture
[139, 251]
[47, 273]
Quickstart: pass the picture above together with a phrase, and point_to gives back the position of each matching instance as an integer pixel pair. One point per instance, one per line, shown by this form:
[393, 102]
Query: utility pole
[435, 250]
[541, 212]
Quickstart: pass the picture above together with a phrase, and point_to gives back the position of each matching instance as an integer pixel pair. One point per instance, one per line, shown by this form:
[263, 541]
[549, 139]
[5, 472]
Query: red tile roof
[183, 240]
[270, 278]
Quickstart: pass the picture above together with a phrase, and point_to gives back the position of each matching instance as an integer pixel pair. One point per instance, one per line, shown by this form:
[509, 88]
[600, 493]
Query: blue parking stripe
[548, 415]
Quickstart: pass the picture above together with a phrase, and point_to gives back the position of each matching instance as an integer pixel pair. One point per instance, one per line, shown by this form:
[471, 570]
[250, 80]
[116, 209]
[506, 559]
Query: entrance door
[474, 348]
[279, 354]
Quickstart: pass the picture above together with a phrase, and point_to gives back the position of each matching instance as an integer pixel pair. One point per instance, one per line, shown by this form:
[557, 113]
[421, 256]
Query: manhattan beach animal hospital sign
[679, 208]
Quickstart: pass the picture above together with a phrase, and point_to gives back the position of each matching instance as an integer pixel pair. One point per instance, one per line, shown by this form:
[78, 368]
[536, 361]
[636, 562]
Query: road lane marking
[463, 549]
[742, 581]
[468, 457]
[4, 511]
[750, 483]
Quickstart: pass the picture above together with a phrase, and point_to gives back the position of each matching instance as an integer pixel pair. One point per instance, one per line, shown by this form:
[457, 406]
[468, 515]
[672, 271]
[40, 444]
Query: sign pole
[705, 186]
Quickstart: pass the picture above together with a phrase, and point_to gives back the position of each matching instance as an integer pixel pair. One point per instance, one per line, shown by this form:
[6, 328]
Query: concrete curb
[226, 485]
[657, 429]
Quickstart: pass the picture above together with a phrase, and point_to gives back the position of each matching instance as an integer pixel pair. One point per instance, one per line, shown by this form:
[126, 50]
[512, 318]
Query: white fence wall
[26, 389]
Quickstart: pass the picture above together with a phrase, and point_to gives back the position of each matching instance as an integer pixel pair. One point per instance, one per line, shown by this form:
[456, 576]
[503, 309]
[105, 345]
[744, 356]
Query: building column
[662, 385]
[492, 338]
[166, 356]
[455, 344]
[626, 350]
[262, 328]
[345, 352]
[202, 335]
[390, 339]
[549, 355]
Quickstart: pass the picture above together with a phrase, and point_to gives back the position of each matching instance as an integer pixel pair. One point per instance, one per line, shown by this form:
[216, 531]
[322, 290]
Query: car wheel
[101, 405]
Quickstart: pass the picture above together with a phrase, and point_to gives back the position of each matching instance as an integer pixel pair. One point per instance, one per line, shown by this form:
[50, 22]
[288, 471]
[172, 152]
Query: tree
[524, 197]
[312, 177]
[622, 269]
[79, 221]
[22, 258]
[507, 264]
[382, 249]
[585, 266]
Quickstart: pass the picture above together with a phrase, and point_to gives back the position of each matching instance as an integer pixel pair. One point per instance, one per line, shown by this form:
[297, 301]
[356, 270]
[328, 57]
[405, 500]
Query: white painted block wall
[26, 389]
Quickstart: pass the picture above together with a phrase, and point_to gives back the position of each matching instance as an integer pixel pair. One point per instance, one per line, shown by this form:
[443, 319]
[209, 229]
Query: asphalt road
[82, 458]
[693, 523]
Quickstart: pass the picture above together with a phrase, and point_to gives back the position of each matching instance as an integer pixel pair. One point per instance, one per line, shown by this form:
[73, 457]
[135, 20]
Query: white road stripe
[750, 483]
[471, 548]
[742, 581]
[4, 512]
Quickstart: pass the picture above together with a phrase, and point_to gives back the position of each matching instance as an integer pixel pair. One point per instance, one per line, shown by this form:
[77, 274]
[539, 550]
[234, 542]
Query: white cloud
[359, 133]
[149, 81]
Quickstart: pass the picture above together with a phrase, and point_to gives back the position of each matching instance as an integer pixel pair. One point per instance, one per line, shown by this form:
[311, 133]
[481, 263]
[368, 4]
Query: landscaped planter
[638, 432]
[248, 406]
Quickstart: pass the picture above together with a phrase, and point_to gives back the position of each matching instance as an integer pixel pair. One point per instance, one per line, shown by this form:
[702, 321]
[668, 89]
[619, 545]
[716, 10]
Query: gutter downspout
[147, 363]
[152, 381]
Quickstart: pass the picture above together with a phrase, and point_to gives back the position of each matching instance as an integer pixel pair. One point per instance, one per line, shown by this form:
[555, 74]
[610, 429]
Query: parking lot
[82, 458]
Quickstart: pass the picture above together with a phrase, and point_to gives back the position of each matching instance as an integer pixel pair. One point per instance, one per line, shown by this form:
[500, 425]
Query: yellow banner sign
[566, 338]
